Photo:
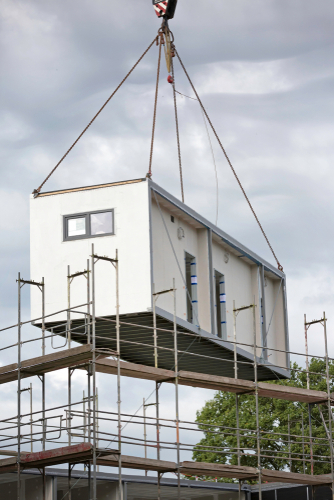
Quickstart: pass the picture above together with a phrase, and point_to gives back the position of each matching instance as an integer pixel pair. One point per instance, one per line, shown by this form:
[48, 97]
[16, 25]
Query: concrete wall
[50, 255]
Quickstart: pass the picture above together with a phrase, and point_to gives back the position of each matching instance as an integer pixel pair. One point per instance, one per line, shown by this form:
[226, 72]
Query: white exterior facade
[50, 254]
[154, 233]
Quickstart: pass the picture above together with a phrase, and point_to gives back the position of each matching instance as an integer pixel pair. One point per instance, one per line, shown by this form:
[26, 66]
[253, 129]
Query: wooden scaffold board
[55, 361]
[77, 453]
[215, 382]
[83, 453]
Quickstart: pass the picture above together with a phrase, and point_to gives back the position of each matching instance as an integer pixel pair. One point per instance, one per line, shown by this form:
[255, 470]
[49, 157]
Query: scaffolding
[82, 425]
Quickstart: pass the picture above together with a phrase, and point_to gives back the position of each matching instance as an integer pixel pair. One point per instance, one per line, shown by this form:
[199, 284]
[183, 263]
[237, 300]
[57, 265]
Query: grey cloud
[61, 60]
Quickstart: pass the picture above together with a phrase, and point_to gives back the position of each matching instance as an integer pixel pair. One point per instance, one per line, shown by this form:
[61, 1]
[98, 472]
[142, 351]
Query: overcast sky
[265, 72]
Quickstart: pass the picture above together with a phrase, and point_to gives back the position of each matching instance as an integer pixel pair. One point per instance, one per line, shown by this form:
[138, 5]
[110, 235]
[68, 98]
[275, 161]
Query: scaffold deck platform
[243, 472]
[50, 362]
[78, 453]
[225, 384]
[81, 453]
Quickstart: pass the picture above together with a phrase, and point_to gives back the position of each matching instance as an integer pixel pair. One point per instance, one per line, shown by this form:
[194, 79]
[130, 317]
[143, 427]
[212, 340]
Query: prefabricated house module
[161, 244]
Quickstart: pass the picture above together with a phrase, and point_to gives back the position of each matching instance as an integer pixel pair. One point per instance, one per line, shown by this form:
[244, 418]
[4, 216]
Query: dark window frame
[88, 234]
[191, 288]
[220, 306]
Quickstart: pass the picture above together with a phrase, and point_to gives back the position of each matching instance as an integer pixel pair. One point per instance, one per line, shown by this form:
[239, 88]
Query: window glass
[101, 223]
[76, 227]
[220, 305]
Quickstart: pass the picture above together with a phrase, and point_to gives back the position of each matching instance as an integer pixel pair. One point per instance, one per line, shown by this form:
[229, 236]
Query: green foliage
[274, 415]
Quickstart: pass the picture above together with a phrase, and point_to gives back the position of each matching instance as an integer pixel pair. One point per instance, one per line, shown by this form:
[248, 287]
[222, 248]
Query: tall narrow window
[191, 282]
[220, 305]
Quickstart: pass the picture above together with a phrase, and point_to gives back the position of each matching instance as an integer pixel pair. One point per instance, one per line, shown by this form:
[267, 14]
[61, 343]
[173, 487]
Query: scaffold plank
[77, 453]
[243, 472]
[8, 465]
[83, 452]
[215, 382]
[129, 462]
[218, 470]
[50, 362]
[273, 476]
[291, 393]
[134, 370]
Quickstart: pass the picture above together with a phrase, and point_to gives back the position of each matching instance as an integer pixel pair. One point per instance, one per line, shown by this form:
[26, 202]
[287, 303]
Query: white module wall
[50, 254]
[178, 231]
[158, 239]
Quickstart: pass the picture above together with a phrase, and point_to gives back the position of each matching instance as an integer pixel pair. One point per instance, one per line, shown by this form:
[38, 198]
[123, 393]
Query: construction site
[129, 284]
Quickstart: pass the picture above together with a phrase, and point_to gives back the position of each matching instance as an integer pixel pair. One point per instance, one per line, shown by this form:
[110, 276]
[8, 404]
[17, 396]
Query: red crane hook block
[170, 79]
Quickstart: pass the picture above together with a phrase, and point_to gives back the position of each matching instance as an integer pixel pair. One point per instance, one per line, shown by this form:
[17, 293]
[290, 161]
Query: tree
[218, 418]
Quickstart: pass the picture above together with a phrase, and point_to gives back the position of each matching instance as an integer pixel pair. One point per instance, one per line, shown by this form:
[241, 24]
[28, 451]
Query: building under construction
[98, 314]
[129, 282]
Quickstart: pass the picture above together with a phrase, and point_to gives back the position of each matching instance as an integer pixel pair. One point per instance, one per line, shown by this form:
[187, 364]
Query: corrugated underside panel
[196, 353]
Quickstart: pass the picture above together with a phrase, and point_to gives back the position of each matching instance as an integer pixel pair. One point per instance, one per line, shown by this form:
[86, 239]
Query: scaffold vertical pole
[238, 436]
[43, 382]
[97, 424]
[68, 307]
[310, 434]
[330, 424]
[155, 348]
[177, 411]
[258, 437]
[94, 373]
[89, 434]
[158, 435]
[31, 427]
[145, 433]
[89, 381]
[306, 352]
[303, 444]
[155, 335]
[289, 442]
[69, 395]
[19, 389]
[235, 341]
[119, 401]
[88, 304]
[84, 416]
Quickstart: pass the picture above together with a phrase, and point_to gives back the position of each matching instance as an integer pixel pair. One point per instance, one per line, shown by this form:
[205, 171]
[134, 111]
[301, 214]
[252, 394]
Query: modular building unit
[160, 241]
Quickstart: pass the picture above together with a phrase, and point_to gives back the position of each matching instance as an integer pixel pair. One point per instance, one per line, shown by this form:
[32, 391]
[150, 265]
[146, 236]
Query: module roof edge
[219, 232]
[86, 188]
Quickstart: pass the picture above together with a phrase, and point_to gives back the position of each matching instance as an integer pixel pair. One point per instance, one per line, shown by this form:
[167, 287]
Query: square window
[101, 223]
[88, 225]
[76, 227]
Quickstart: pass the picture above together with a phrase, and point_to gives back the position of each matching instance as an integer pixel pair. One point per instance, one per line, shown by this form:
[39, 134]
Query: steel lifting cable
[229, 162]
[159, 41]
[177, 127]
[214, 164]
[37, 191]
